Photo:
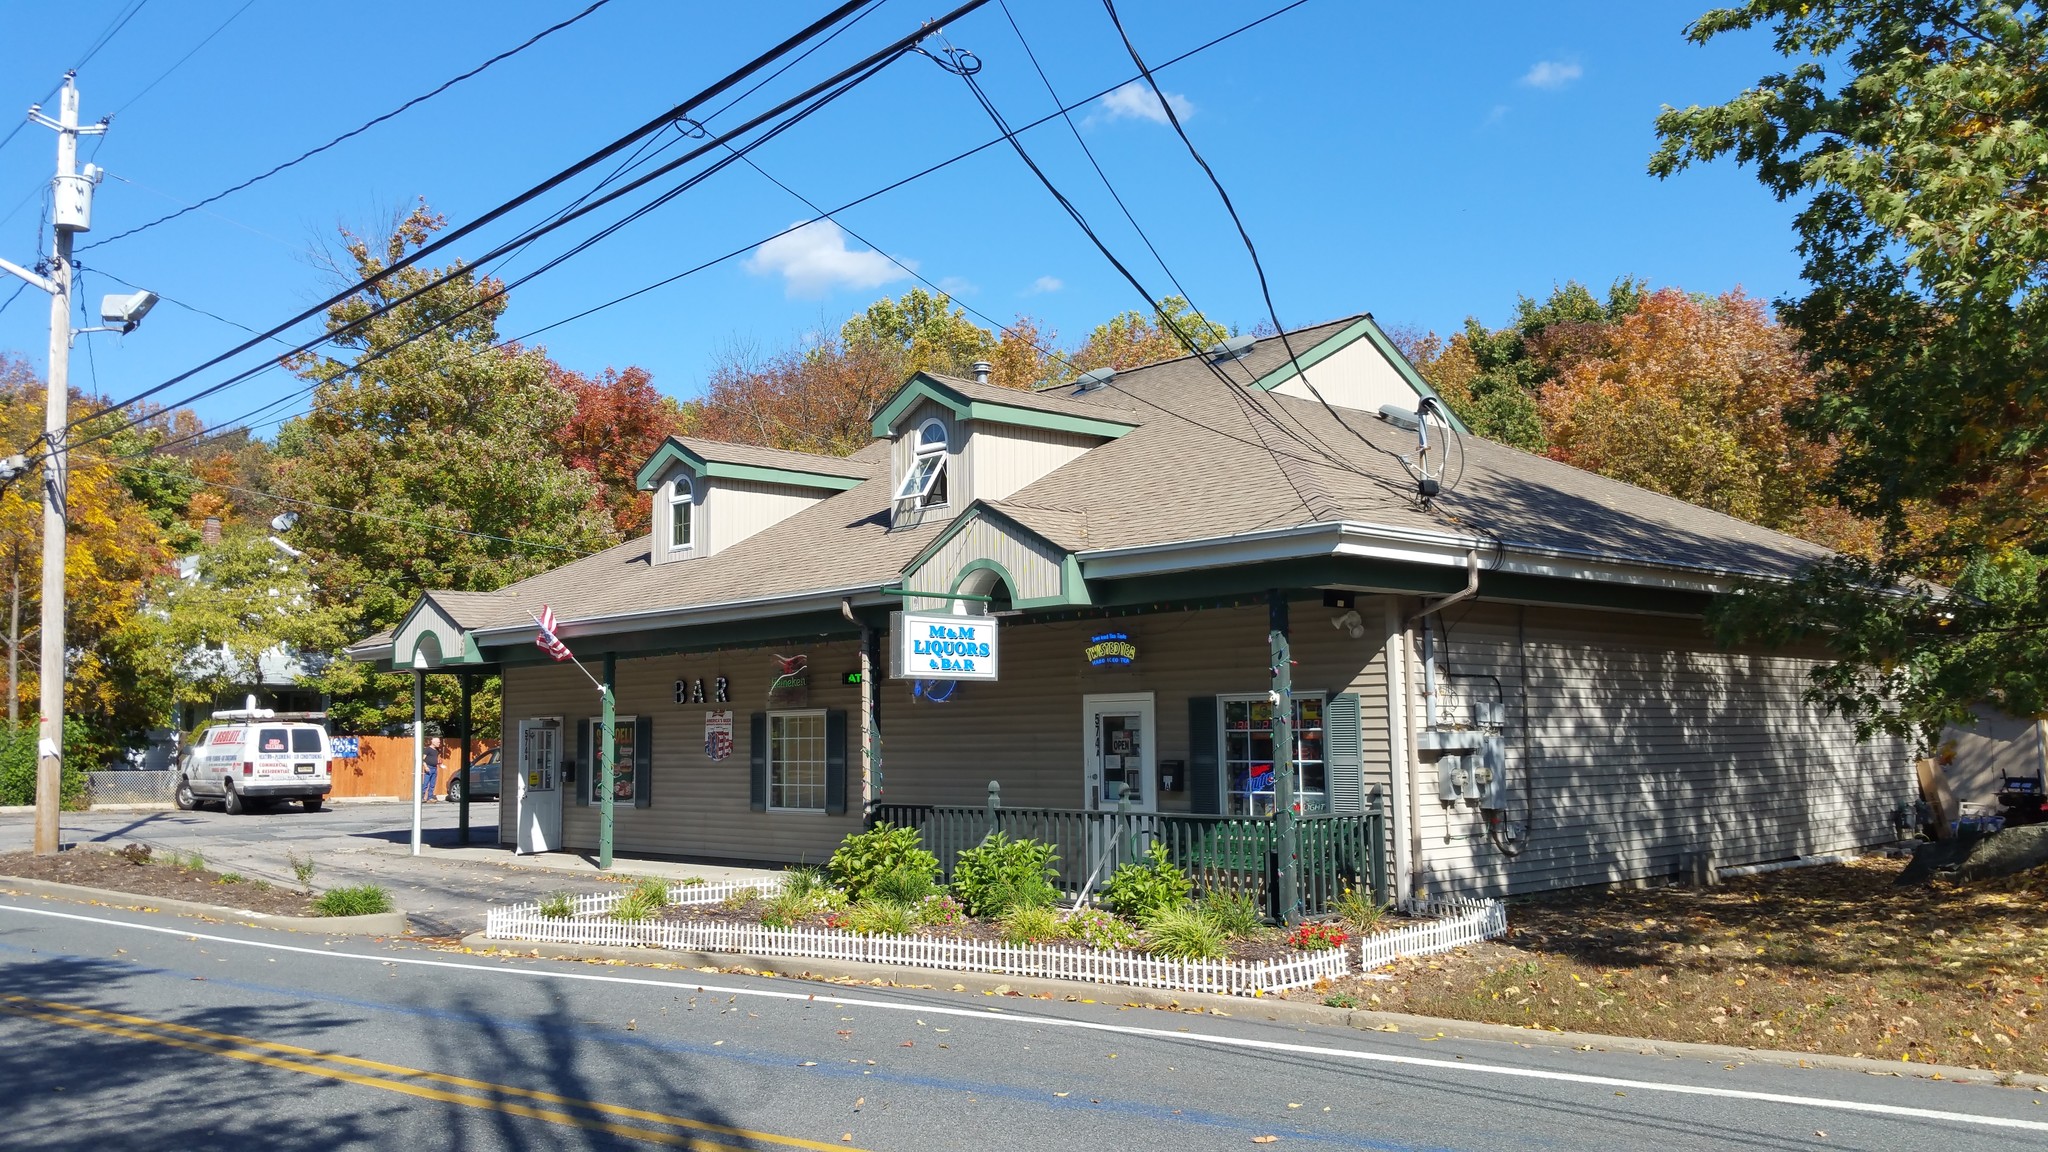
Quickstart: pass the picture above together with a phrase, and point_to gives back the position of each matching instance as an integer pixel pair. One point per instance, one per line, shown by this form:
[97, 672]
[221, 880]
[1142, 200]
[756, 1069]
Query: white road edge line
[1000, 1016]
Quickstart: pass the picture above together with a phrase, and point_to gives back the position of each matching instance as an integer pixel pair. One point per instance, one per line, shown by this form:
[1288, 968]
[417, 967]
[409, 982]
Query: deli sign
[940, 646]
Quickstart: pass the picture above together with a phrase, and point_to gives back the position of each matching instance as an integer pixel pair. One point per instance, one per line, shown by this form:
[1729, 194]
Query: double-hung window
[1247, 747]
[796, 761]
[682, 523]
[924, 484]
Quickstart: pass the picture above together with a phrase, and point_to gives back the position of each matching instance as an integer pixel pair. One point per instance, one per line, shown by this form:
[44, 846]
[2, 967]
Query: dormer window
[682, 520]
[924, 486]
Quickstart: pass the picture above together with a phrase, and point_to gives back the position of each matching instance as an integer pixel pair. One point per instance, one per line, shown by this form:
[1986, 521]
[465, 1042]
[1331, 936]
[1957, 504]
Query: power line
[848, 205]
[356, 131]
[846, 81]
[679, 111]
[165, 74]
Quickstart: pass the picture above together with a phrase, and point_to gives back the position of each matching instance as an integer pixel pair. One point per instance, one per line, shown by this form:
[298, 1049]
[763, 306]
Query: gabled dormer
[955, 441]
[710, 495]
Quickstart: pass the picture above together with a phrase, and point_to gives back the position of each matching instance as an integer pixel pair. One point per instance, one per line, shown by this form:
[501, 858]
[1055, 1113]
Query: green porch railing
[1219, 853]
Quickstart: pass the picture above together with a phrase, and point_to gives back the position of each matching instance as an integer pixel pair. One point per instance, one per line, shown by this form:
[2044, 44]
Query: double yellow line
[616, 1119]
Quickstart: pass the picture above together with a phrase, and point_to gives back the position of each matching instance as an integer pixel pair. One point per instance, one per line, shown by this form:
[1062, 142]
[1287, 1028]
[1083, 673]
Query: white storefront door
[540, 786]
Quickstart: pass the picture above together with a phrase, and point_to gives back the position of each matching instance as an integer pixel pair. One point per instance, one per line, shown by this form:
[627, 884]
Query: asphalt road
[139, 1030]
[349, 843]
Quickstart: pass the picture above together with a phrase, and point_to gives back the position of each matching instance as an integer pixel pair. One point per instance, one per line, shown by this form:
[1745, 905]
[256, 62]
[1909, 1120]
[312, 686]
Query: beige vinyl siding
[1033, 565]
[699, 808]
[1024, 730]
[904, 449]
[1001, 458]
[1355, 376]
[739, 508]
[1640, 743]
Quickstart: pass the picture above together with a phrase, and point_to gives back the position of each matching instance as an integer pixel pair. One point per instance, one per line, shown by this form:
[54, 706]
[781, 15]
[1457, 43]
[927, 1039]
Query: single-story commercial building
[1117, 595]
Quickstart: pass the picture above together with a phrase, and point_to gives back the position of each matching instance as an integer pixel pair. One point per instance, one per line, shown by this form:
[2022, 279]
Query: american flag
[547, 641]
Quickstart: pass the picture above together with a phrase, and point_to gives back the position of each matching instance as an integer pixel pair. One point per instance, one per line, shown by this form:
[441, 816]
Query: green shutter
[643, 762]
[1344, 753]
[835, 762]
[586, 767]
[1205, 779]
[757, 760]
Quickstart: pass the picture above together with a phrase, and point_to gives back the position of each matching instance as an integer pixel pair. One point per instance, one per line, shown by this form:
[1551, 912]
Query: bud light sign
[945, 647]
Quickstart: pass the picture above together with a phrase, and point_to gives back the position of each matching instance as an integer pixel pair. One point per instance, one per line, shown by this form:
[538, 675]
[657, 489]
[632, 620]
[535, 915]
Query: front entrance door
[540, 786]
[1119, 742]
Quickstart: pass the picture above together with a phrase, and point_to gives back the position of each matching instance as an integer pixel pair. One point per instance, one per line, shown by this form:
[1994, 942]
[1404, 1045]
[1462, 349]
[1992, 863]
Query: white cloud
[1552, 74]
[1135, 101]
[814, 259]
[1045, 284]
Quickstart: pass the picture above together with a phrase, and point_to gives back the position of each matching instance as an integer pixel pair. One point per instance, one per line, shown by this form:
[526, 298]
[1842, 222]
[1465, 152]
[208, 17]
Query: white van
[255, 755]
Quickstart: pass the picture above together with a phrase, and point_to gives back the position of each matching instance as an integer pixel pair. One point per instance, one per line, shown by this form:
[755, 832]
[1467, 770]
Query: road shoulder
[379, 924]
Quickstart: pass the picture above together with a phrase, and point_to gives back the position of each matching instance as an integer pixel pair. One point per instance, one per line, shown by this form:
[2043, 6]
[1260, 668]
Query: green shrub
[1234, 912]
[18, 755]
[787, 908]
[1184, 934]
[302, 867]
[1000, 874]
[1098, 929]
[362, 900]
[1031, 924]
[877, 918]
[739, 899]
[1341, 1000]
[1358, 909]
[557, 906]
[803, 880]
[865, 857]
[906, 886]
[229, 878]
[635, 907]
[940, 911]
[1141, 890]
[652, 891]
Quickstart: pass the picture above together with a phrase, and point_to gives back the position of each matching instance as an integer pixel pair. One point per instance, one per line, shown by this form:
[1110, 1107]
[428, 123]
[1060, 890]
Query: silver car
[483, 777]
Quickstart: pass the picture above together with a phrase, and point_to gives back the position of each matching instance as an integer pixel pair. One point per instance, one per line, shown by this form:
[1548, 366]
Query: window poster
[718, 735]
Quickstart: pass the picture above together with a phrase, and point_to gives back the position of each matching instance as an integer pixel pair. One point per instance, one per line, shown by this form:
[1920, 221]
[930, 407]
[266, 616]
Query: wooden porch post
[468, 690]
[607, 755]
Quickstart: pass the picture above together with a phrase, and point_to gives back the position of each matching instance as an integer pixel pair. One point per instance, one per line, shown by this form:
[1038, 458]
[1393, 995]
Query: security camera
[1351, 621]
[128, 310]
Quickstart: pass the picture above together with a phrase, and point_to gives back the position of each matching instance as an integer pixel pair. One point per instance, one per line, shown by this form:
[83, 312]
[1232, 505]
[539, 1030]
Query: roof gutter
[1407, 545]
[719, 613]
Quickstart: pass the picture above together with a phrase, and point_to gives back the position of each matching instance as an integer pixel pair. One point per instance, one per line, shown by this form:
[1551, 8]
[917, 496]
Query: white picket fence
[1453, 924]
[1460, 922]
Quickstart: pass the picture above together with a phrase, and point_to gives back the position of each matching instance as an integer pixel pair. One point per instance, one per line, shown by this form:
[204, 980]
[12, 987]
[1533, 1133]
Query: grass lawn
[1825, 959]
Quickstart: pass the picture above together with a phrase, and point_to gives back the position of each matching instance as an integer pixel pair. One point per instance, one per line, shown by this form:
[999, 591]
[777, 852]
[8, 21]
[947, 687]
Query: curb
[1269, 1009]
[377, 924]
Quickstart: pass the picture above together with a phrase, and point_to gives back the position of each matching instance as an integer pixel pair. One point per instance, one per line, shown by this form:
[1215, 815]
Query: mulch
[158, 876]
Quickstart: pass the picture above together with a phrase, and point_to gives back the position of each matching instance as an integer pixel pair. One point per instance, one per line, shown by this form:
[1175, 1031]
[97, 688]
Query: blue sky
[1385, 157]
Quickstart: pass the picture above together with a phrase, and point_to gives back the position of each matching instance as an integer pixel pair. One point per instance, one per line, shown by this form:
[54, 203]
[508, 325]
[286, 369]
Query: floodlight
[127, 311]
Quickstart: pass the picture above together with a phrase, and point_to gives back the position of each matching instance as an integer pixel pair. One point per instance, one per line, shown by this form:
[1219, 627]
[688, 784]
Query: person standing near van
[430, 765]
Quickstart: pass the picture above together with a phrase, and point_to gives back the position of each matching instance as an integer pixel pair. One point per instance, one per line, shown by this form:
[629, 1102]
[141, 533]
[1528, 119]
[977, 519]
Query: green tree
[233, 602]
[1913, 131]
[430, 460]
[917, 332]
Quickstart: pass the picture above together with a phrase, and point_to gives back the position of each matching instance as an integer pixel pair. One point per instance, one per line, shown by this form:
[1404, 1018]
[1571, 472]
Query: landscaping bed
[164, 875]
[1832, 959]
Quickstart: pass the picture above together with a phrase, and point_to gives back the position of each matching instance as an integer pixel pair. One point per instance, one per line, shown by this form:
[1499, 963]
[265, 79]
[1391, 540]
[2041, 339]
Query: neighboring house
[1564, 719]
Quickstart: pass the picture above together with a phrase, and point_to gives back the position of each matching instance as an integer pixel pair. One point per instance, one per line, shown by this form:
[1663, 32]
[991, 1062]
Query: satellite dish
[1235, 348]
[283, 521]
[1090, 381]
[1400, 417]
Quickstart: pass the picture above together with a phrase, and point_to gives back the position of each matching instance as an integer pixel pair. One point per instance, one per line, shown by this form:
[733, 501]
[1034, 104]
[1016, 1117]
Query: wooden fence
[384, 767]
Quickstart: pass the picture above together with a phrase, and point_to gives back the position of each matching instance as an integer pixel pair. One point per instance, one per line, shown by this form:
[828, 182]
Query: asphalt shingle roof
[1202, 461]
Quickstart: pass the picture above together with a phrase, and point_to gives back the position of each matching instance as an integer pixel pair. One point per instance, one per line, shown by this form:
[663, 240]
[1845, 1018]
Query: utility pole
[1286, 797]
[72, 197]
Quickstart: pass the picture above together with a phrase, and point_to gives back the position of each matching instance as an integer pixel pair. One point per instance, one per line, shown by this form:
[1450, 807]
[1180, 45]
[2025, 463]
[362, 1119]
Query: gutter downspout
[1429, 694]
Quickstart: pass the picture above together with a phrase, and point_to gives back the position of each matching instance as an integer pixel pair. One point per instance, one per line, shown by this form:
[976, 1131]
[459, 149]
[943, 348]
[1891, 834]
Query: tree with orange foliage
[1688, 396]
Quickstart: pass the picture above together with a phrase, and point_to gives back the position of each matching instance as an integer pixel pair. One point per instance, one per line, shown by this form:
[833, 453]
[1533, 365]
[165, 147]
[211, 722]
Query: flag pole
[607, 745]
[572, 659]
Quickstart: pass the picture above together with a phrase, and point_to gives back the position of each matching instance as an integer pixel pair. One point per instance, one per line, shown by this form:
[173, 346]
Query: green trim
[984, 565]
[671, 453]
[1369, 328]
[972, 513]
[1073, 589]
[922, 387]
[786, 631]
[467, 656]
